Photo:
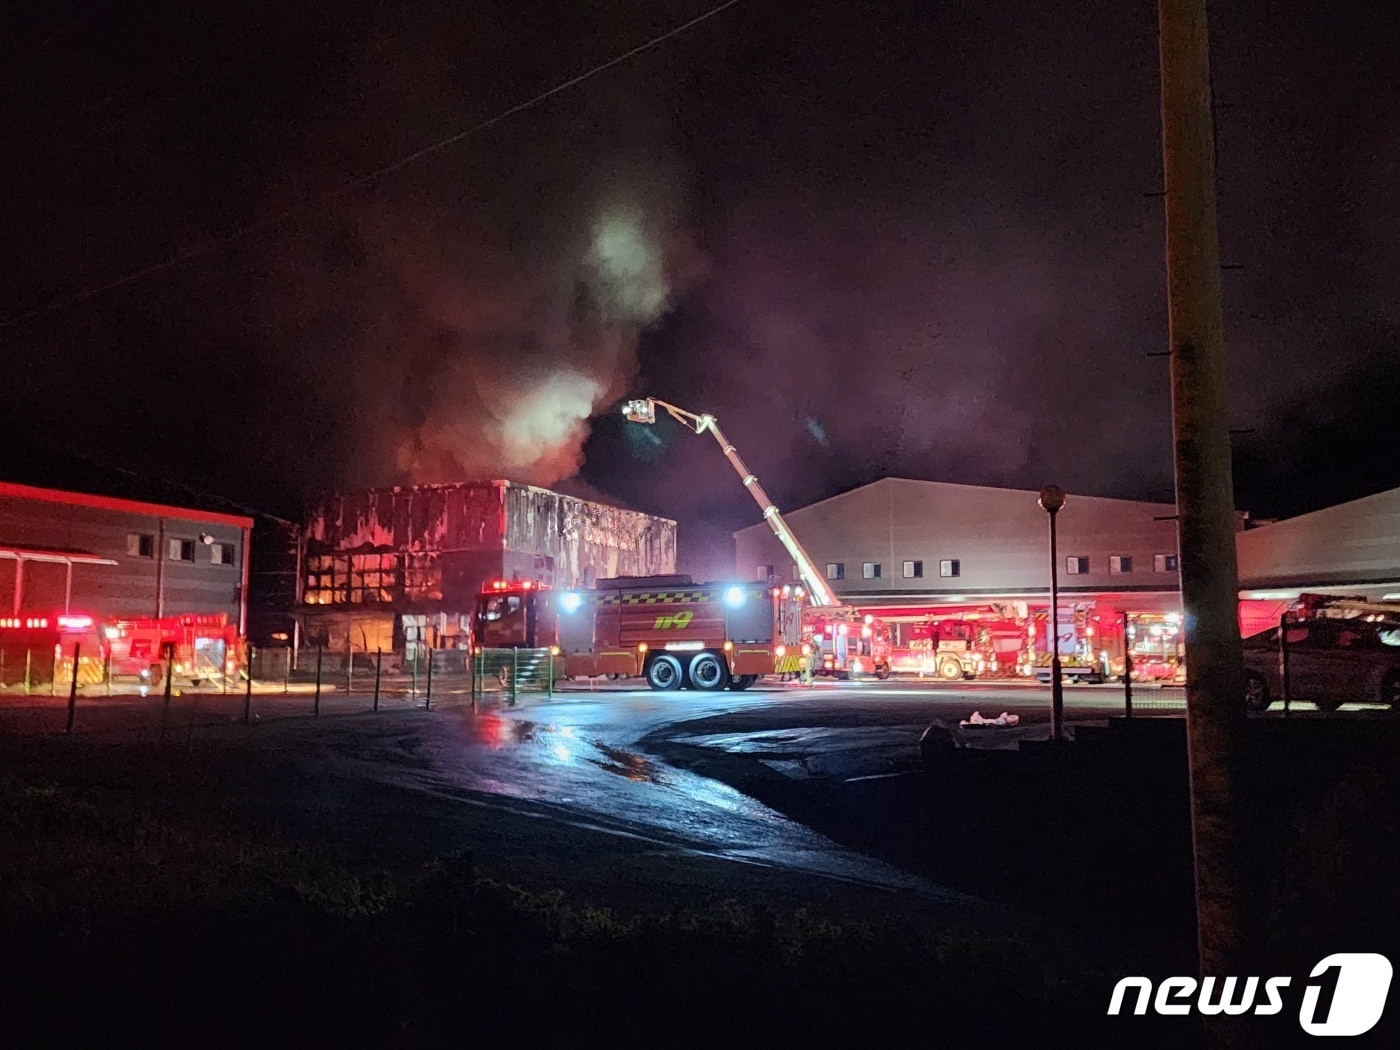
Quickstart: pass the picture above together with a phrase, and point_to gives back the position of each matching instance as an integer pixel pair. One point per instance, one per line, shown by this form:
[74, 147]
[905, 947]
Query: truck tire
[883, 672]
[742, 682]
[707, 672]
[950, 670]
[664, 672]
[1256, 691]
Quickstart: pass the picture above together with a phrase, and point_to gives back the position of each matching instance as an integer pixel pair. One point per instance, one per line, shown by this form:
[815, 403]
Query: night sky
[914, 239]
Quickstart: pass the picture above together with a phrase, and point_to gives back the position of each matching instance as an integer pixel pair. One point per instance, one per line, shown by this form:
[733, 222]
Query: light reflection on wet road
[592, 758]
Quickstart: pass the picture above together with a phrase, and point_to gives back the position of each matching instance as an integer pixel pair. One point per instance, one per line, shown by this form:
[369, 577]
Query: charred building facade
[402, 567]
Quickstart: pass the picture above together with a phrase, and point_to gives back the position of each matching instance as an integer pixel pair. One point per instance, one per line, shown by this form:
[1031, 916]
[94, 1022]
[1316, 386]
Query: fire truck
[197, 649]
[951, 649]
[674, 632]
[37, 649]
[846, 644]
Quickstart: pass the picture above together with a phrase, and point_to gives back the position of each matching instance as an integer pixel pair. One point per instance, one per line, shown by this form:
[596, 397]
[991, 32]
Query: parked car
[1330, 662]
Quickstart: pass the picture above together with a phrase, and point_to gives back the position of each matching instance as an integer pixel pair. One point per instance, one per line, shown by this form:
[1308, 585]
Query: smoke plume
[520, 364]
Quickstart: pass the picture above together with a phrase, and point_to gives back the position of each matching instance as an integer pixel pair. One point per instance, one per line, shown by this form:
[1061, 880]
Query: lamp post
[1052, 498]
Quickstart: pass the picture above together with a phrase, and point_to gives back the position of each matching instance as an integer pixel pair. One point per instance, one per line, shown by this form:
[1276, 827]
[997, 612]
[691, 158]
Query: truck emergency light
[734, 597]
[570, 601]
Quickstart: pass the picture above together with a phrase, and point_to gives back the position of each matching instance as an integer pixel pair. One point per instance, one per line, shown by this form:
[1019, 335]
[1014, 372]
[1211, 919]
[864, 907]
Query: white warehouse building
[911, 552]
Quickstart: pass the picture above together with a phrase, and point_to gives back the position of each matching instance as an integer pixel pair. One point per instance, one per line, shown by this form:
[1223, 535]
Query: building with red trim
[115, 558]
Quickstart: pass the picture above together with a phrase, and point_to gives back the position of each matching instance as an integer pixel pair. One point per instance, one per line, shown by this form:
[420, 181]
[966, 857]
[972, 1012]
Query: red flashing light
[10, 621]
[75, 623]
[37, 623]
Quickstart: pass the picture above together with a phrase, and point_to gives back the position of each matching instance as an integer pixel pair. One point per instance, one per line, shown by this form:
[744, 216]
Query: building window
[1164, 563]
[835, 570]
[764, 573]
[360, 579]
[1076, 565]
[913, 570]
[221, 553]
[949, 567]
[140, 545]
[181, 550]
[870, 570]
[1119, 564]
[423, 578]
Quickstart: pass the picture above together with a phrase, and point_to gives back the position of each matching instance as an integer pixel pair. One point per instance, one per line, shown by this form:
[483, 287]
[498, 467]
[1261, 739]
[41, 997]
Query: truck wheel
[883, 672]
[707, 672]
[1256, 691]
[742, 682]
[950, 670]
[664, 672]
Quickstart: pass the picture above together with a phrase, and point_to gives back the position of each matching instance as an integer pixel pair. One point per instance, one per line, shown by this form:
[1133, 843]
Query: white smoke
[520, 384]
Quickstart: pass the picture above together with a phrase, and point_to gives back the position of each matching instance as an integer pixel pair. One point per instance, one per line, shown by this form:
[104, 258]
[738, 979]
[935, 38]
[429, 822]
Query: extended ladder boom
[644, 411]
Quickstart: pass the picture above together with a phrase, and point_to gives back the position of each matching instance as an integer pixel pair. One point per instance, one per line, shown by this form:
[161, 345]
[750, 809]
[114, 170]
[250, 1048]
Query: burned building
[401, 567]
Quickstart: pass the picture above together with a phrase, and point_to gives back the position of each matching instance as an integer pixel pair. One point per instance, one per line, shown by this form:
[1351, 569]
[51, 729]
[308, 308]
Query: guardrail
[514, 671]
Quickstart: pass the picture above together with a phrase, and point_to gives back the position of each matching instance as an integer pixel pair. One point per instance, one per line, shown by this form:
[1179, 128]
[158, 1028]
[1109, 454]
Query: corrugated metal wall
[575, 536]
[418, 518]
[587, 540]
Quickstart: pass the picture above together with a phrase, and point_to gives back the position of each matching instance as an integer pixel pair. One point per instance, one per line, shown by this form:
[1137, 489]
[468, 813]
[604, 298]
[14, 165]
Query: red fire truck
[676, 633]
[37, 649]
[197, 649]
[847, 644]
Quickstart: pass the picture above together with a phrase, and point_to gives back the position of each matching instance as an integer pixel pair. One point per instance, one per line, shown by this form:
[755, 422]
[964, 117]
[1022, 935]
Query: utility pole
[1204, 488]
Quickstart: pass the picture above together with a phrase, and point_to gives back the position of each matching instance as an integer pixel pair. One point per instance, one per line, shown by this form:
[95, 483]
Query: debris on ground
[1002, 719]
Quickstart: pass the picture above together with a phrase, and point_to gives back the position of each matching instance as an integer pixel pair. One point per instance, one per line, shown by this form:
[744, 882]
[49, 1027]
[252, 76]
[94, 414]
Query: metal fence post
[287, 673]
[1283, 661]
[514, 675]
[316, 708]
[27, 656]
[413, 666]
[107, 669]
[248, 691]
[428, 696]
[169, 685]
[349, 668]
[73, 690]
[471, 668]
[549, 685]
[378, 671]
[1127, 671]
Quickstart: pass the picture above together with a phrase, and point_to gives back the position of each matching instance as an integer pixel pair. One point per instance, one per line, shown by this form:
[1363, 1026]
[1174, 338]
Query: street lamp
[1052, 498]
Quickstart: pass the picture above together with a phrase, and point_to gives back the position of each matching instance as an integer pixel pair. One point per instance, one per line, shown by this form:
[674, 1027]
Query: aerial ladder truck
[847, 642]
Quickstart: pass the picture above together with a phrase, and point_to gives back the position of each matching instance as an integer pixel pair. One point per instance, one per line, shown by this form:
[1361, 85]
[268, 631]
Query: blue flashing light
[734, 597]
[570, 601]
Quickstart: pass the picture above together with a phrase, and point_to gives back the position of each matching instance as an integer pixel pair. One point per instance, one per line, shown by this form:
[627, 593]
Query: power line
[416, 155]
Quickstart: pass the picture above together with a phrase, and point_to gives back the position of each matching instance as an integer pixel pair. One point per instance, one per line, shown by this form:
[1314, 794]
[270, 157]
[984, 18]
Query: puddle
[626, 764]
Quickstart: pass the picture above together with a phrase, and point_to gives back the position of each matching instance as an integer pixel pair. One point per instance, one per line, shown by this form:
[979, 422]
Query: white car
[1330, 662]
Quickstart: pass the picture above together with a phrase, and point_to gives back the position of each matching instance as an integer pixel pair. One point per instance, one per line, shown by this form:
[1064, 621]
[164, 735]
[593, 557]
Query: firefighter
[810, 657]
